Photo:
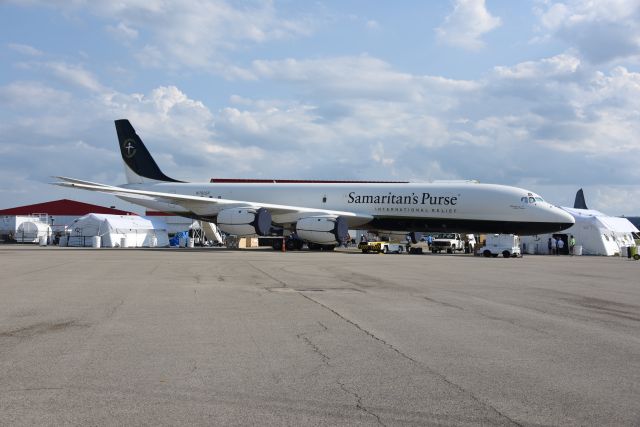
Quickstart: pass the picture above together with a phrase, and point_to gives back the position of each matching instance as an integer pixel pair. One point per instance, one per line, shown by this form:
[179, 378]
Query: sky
[543, 95]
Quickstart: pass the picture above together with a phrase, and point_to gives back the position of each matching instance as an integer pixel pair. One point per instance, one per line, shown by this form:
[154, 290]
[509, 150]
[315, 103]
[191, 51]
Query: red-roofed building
[57, 213]
[62, 207]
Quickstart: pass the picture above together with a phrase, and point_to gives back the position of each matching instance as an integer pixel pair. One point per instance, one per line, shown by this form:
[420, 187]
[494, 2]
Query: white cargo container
[507, 245]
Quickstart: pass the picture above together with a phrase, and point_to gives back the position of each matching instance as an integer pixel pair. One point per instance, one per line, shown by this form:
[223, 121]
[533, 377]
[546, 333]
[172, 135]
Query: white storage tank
[31, 231]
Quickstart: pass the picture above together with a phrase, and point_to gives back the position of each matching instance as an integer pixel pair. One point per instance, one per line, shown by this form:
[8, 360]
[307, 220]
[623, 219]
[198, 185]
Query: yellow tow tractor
[381, 247]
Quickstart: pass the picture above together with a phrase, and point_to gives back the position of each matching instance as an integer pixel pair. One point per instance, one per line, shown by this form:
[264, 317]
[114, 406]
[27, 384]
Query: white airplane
[321, 212]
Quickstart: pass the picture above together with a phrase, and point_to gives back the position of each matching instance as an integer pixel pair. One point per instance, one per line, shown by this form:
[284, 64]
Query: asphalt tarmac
[256, 337]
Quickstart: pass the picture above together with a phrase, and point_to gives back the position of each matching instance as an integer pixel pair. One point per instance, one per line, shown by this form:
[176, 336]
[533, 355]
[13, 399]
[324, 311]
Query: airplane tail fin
[139, 165]
[580, 203]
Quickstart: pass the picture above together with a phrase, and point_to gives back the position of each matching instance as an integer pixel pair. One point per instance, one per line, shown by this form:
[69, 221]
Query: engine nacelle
[324, 230]
[245, 221]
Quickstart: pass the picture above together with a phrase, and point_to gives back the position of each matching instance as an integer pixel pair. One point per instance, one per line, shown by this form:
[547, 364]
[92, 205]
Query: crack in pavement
[37, 270]
[359, 404]
[305, 337]
[315, 348]
[275, 279]
[325, 361]
[111, 311]
[431, 371]
[446, 304]
[13, 390]
[41, 328]
[360, 328]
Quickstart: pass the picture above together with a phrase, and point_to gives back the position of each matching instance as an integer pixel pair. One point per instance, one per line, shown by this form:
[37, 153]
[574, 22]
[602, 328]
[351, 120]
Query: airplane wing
[207, 206]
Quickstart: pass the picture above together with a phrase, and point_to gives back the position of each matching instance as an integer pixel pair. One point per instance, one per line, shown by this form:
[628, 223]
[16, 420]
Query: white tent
[130, 231]
[595, 232]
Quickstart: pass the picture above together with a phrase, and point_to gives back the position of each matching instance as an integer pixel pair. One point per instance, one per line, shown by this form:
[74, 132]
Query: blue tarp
[175, 240]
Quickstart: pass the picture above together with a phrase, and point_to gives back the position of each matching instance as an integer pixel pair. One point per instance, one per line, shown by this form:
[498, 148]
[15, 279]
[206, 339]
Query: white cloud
[360, 76]
[191, 33]
[548, 118]
[602, 31]
[32, 94]
[372, 24]
[123, 32]
[174, 34]
[517, 119]
[24, 49]
[75, 75]
[554, 67]
[466, 24]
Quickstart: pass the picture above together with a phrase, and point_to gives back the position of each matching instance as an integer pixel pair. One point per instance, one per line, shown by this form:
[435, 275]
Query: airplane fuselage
[466, 206]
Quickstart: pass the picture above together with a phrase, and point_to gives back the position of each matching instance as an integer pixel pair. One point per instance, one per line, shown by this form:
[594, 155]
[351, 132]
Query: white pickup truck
[449, 242]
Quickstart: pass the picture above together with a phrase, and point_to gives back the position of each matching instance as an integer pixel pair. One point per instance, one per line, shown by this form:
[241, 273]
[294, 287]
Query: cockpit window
[531, 199]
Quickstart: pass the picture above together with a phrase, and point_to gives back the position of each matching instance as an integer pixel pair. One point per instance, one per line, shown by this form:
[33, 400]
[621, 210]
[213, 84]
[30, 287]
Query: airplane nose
[563, 219]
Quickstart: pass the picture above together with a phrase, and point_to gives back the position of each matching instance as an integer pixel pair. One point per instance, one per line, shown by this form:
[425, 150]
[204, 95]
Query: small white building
[595, 232]
[131, 231]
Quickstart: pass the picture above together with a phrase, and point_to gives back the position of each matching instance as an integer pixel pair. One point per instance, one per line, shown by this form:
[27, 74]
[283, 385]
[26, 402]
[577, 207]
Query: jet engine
[324, 230]
[245, 221]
